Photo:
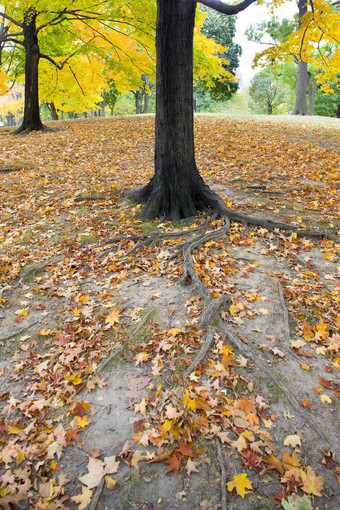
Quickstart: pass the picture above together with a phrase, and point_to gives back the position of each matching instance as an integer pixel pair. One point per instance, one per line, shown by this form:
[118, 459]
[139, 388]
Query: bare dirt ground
[101, 404]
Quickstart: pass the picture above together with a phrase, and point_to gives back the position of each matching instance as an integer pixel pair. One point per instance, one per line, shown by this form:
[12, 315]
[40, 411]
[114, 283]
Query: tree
[88, 30]
[267, 93]
[313, 43]
[177, 190]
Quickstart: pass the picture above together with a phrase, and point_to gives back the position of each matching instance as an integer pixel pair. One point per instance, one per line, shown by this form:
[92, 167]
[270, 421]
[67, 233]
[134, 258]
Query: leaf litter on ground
[78, 275]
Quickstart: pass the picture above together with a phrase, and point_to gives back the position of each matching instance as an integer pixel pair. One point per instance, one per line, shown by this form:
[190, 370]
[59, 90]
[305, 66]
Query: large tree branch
[12, 20]
[220, 6]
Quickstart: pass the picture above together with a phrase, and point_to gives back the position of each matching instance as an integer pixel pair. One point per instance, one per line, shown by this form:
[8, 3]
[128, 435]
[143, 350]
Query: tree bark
[137, 102]
[53, 111]
[103, 104]
[311, 93]
[31, 121]
[301, 82]
[176, 190]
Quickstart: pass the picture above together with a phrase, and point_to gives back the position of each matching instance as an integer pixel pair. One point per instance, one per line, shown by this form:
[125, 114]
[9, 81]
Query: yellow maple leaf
[75, 379]
[305, 366]
[113, 317]
[188, 403]
[241, 484]
[312, 484]
[174, 332]
[82, 421]
[325, 399]
[44, 332]
[110, 482]
[22, 313]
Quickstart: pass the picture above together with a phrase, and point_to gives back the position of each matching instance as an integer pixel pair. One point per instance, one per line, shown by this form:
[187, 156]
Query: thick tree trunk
[301, 90]
[176, 190]
[301, 82]
[31, 120]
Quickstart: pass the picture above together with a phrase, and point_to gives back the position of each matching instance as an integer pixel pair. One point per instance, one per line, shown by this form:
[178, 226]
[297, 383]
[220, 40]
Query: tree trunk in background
[103, 105]
[146, 94]
[3, 31]
[31, 120]
[311, 84]
[137, 101]
[176, 190]
[301, 82]
[54, 113]
[146, 102]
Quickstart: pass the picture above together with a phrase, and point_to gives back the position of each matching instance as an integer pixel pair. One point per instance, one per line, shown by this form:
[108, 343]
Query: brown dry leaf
[95, 473]
[294, 441]
[83, 499]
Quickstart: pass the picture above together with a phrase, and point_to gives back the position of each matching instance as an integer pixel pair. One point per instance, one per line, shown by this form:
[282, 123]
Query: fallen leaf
[241, 484]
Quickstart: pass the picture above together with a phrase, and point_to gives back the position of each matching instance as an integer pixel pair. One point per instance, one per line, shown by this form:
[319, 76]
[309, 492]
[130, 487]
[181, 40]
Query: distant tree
[267, 93]
[111, 96]
[81, 32]
[313, 45]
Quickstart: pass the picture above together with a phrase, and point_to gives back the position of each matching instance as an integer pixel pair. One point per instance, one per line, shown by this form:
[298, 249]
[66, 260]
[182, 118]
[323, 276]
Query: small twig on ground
[224, 500]
[202, 353]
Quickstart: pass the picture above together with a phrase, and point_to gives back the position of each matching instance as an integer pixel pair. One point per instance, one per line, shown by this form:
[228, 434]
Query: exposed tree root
[249, 353]
[95, 500]
[190, 276]
[89, 198]
[224, 500]
[163, 204]
[17, 333]
[212, 310]
[39, 267]
[26, 129]
[202, 353]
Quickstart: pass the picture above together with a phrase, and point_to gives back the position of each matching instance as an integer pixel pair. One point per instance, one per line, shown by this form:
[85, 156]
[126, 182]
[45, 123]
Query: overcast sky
[250, 16]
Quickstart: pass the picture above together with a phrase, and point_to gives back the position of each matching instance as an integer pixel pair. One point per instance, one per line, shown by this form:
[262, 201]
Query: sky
[250, 16]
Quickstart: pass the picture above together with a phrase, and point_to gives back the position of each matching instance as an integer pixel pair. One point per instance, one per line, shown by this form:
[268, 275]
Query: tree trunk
[301, 90]
[137, 101]
[31, 120]
[146, 103]
[176, 190]
[301, 82]
[146, 94]
[103, 105]
[3, 31]
[311, 93]
[54, 113]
